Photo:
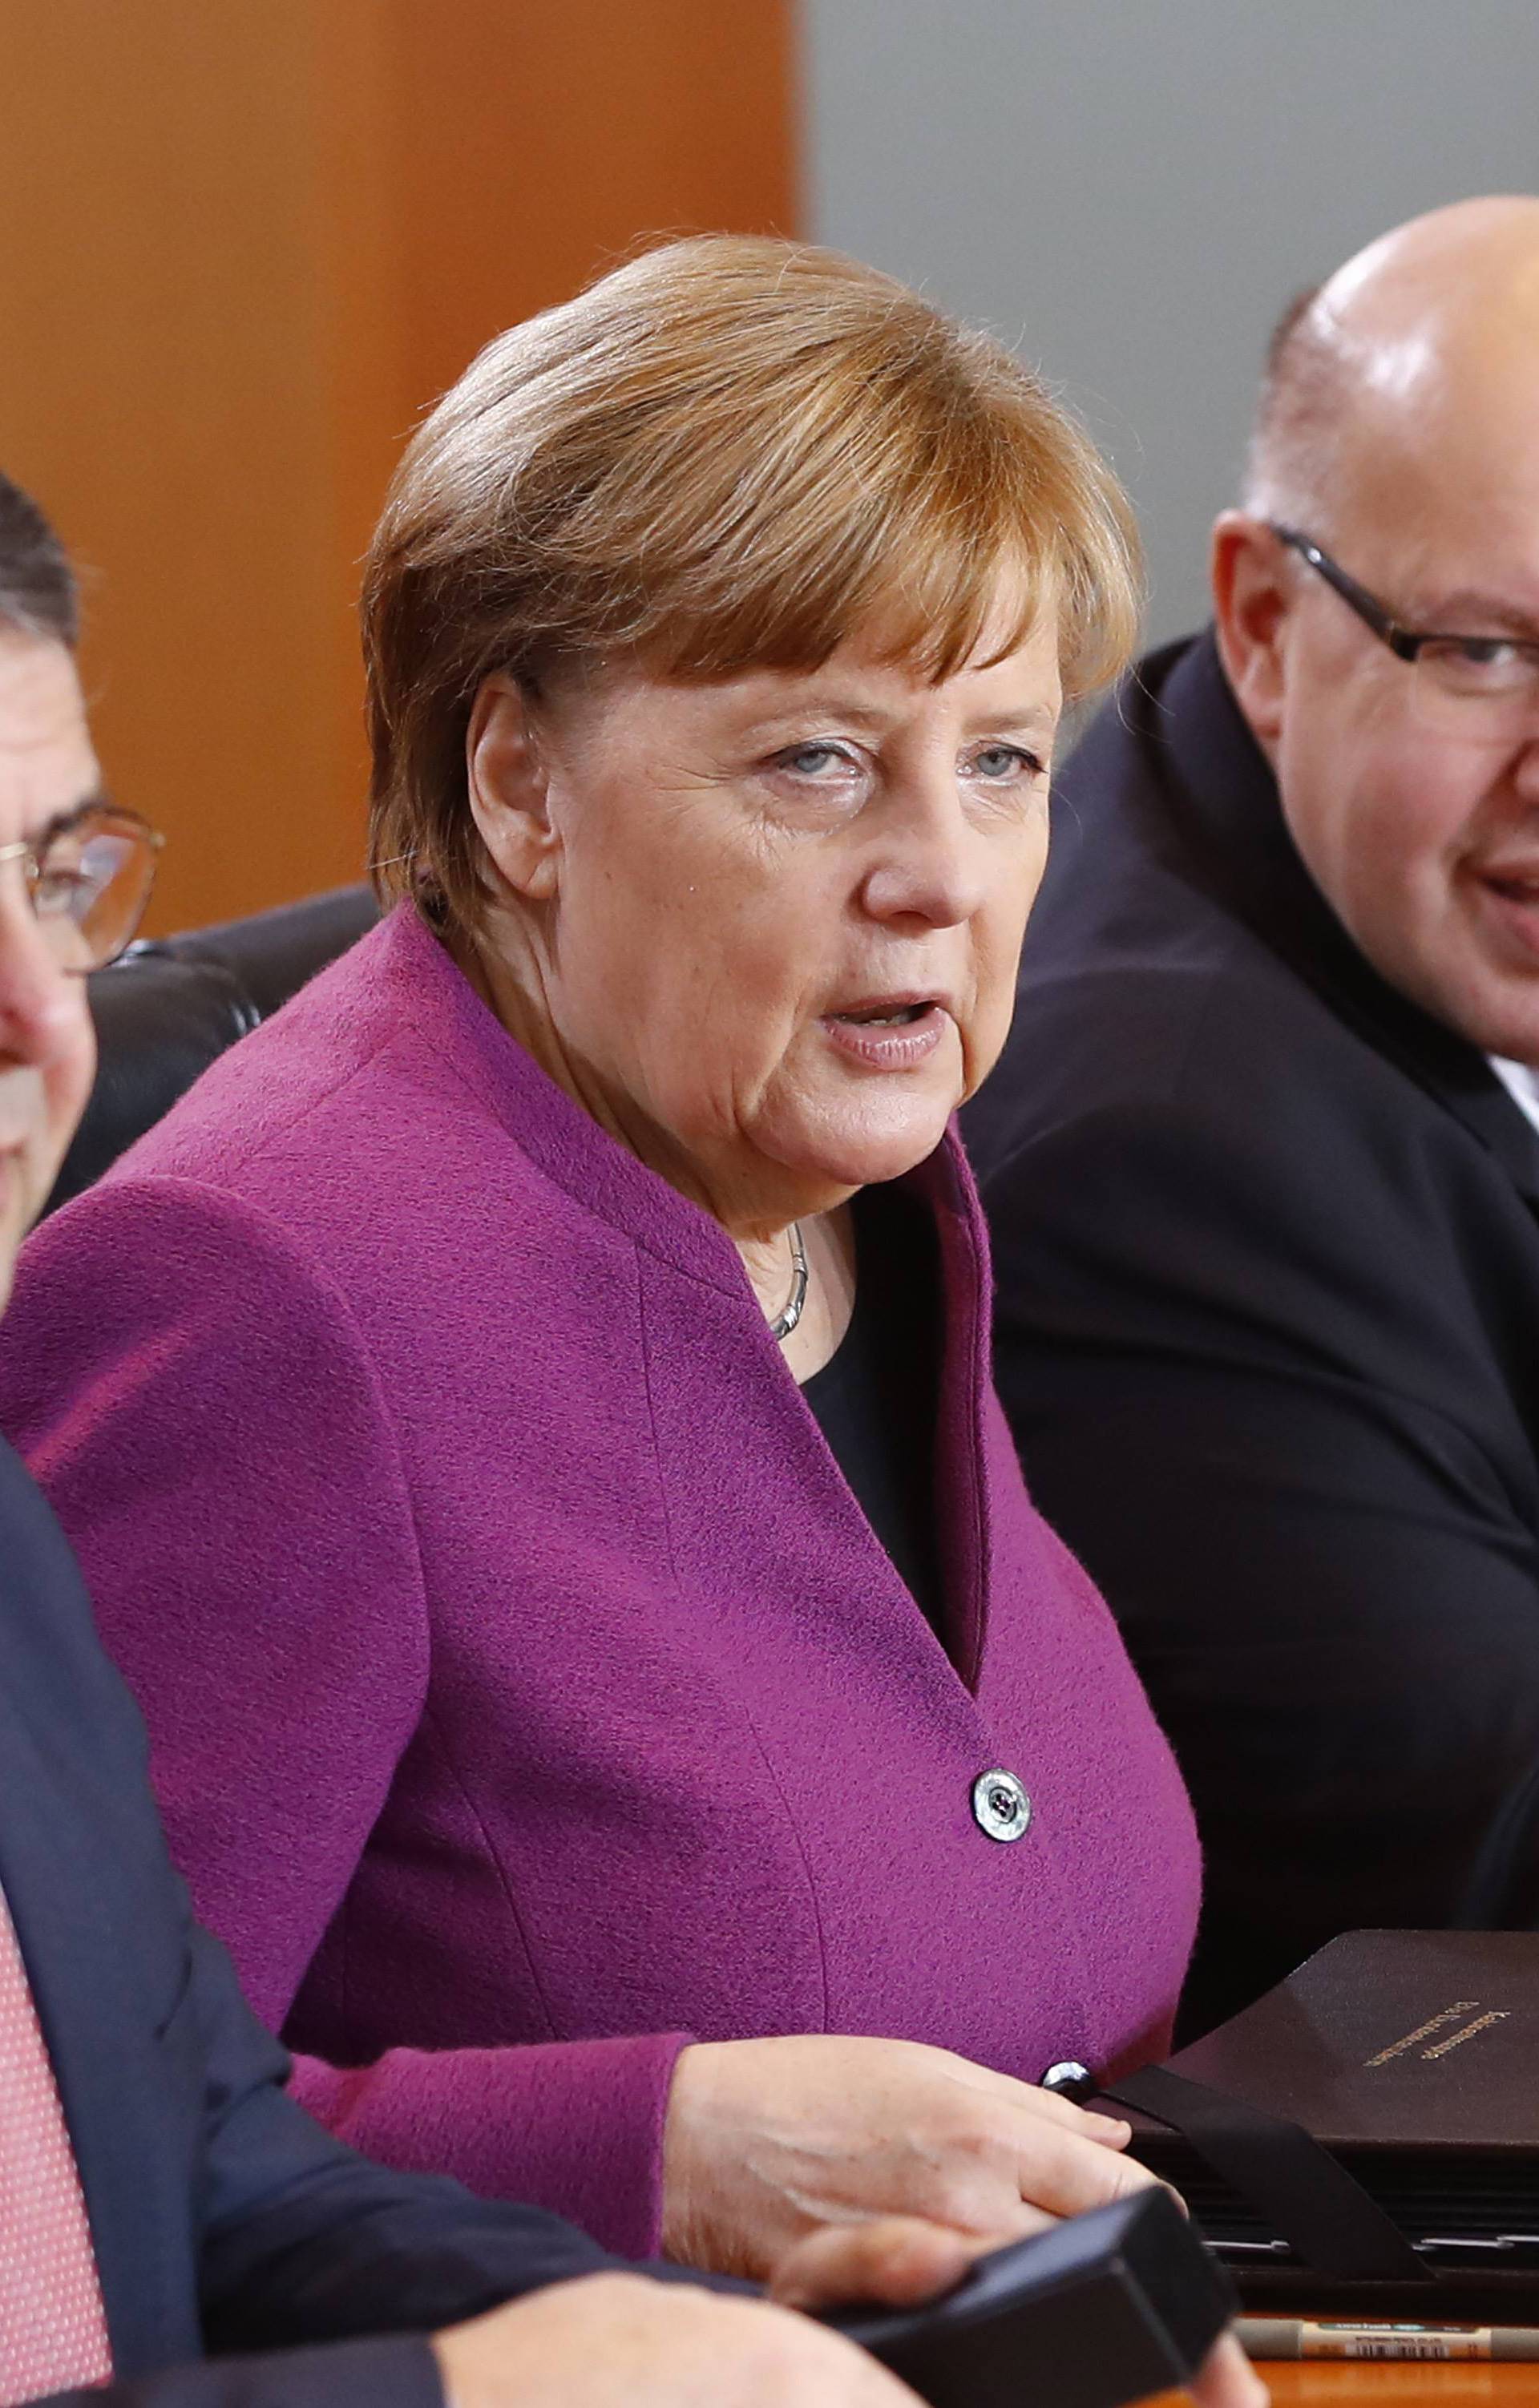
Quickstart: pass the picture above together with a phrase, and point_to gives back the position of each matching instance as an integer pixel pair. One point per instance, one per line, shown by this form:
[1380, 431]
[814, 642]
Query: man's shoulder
[1136, 916]
[1215, 1074]
[1175, 1011]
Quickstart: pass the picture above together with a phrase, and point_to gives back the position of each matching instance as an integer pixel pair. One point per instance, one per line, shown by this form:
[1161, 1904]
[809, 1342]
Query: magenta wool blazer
[528, 1691]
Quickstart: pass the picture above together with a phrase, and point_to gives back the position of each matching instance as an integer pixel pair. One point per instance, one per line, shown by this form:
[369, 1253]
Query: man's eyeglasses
[1484, 686]
[88, 879]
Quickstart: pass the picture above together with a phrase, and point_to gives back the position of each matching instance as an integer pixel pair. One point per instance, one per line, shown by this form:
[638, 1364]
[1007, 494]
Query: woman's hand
[618, 2340]
[768, 2140]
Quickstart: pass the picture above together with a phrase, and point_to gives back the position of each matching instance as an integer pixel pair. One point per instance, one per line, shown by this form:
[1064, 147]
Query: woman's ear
[508, 788]
[1252, 601]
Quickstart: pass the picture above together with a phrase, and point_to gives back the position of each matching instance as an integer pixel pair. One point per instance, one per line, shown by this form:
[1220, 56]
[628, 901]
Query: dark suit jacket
[223, 2217]
[1268, 1332]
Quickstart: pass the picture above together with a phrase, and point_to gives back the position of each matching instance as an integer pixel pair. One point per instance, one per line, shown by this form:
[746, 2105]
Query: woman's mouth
[892, 1033]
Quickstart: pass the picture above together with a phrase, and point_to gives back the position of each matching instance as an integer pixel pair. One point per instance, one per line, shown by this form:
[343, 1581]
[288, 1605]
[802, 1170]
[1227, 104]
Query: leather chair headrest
[173, 1004]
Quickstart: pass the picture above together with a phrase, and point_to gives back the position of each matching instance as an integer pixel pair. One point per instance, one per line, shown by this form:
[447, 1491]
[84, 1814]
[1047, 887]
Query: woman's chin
[842, 1160]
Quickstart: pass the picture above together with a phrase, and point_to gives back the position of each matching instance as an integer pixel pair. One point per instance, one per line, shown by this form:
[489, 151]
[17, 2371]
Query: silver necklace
[781, 1330]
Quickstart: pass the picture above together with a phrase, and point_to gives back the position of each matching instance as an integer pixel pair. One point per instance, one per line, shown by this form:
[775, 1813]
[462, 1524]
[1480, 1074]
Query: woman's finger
[1067, 2174]
[897, 2261]
[1112, 2131]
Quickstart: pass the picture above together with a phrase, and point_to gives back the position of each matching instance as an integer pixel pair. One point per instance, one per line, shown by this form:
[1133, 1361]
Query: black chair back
[173, 1004]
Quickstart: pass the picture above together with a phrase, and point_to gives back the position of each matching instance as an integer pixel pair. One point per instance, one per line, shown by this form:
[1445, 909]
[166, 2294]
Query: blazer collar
[431, 994]
[1224, 799]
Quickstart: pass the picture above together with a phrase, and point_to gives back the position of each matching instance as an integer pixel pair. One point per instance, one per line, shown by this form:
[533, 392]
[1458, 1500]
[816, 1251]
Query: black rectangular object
[1102, 2311]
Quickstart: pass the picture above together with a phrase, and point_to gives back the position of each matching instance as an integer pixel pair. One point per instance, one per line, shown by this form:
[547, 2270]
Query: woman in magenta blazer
[525, 1415]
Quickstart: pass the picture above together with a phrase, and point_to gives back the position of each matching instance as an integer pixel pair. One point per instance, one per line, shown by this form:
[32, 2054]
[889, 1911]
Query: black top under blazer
[1268, 1275]
[224, 2219]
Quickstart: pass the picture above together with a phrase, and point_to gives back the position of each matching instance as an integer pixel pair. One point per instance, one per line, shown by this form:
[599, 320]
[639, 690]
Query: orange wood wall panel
[242, 243]
[547, 140]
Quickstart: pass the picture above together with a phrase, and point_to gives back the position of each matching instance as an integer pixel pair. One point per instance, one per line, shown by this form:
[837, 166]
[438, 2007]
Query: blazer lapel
[57, 1881]
[1474, 1093]
[961, 1494]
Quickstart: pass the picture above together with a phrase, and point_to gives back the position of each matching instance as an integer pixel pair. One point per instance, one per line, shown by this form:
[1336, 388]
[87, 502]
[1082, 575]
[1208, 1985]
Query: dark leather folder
[1364, 2140]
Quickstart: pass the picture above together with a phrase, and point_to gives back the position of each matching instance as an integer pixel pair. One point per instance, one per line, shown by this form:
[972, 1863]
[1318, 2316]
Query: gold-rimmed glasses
[88, 879]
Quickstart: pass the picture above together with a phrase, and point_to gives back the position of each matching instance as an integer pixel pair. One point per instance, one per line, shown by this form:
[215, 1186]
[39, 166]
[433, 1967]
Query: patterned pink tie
[53, 2331]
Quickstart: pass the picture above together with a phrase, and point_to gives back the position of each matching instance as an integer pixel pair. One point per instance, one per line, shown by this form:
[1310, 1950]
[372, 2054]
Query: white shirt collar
[1521, 1083]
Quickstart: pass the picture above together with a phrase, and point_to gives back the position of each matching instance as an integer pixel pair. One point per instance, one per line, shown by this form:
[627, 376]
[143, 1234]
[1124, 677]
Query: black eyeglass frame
[31, 853]
[1406, 643]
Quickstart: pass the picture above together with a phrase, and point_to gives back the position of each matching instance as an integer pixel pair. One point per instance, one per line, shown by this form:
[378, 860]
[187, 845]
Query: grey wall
[1128, 190]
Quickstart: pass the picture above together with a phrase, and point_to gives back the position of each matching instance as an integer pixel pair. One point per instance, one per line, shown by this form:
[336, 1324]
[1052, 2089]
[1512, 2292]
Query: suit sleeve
[320, 2273]
[198, 1405]
[345, 2374]
[1227, 1355]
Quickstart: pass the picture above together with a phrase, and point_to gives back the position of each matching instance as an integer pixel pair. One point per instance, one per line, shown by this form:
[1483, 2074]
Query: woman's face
[776, 919]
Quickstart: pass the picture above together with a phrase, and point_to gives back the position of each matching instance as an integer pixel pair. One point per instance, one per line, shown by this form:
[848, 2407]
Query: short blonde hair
[732, 453]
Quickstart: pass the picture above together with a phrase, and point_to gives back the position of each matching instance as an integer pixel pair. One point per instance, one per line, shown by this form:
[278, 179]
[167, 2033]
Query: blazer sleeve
[198, 1405]
[1232, 1361]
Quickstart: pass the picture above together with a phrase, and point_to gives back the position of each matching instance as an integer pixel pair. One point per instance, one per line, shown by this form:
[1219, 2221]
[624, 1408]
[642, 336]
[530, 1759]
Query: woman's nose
[931, 864]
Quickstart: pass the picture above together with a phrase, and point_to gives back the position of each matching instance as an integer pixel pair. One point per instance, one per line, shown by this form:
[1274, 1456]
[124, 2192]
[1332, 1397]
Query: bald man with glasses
[1262, 1160]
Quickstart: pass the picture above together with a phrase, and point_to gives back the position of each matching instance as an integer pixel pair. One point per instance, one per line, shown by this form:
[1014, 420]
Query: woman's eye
[813, 760]
[999, 761]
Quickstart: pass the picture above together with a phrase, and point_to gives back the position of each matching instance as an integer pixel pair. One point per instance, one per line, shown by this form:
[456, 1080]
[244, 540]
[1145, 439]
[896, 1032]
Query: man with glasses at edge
[1262, 1160]
[160, 2196]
